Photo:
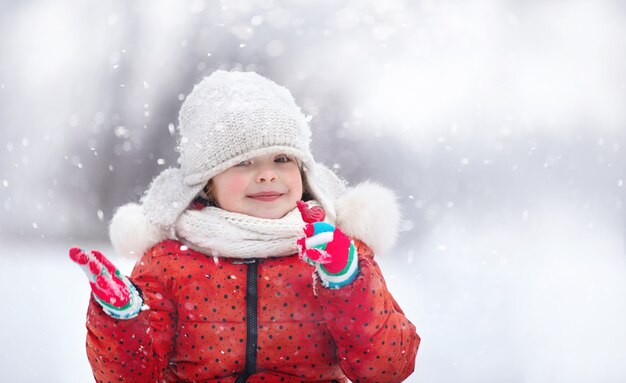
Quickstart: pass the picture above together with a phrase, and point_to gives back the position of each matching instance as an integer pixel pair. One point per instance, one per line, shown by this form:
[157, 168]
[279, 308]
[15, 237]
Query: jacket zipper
[251, 321]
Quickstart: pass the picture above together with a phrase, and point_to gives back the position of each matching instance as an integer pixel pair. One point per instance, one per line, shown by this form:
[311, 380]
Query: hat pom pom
[371, 213]
[131, 233]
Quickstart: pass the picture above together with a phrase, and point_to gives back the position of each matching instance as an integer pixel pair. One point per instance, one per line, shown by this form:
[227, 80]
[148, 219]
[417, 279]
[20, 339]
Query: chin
[272, 213]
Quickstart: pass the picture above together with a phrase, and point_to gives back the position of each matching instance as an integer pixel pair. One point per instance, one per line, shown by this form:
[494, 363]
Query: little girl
[256, 263]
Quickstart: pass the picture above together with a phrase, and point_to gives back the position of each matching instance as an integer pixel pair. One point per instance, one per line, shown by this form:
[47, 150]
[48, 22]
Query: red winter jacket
[213, 319]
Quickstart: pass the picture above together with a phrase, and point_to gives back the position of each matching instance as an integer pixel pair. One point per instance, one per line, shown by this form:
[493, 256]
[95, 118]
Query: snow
[535, 300]
[42, 326]
[500, 126]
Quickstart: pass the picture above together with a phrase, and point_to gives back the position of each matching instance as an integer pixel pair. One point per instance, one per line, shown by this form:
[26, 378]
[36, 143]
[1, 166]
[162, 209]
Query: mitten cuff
[343, 277]
[128, 311]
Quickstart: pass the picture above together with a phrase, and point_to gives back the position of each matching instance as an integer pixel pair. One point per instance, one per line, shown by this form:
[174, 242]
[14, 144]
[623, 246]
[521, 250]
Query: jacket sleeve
[138, 349]
[375, 341]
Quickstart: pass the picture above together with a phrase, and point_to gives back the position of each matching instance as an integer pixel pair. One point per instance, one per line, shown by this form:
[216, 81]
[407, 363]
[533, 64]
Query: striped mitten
[113, 291]
[329, 250]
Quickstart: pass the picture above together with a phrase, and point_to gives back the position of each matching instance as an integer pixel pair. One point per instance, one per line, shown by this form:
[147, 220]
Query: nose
[266, 174]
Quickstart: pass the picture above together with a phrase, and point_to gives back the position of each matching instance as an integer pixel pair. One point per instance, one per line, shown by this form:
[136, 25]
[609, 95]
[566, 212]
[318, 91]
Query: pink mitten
[113, 291]
[328, 248]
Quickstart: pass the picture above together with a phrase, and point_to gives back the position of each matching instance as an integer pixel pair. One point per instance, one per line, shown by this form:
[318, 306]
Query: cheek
[229, 187]
[237, 184]
[295, 182]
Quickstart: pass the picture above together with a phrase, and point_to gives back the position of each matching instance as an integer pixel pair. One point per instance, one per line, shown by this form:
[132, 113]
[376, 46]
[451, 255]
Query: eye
[282, 158]
[244, 163]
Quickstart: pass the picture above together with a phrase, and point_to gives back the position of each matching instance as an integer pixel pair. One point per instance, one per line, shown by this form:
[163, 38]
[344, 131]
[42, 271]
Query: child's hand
[330, 250]
[112, 290]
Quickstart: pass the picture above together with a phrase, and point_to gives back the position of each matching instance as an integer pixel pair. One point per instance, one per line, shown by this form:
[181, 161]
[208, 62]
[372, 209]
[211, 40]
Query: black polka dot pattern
[195, 329]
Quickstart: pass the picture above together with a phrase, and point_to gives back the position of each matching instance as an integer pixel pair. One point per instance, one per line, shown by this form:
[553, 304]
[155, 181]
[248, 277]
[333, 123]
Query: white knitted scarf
[221, 233]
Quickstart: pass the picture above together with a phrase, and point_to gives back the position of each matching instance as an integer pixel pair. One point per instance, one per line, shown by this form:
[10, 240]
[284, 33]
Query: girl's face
[266, 186]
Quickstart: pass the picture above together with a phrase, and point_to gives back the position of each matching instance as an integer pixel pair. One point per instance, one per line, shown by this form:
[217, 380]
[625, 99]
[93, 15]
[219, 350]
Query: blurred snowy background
[500, 124]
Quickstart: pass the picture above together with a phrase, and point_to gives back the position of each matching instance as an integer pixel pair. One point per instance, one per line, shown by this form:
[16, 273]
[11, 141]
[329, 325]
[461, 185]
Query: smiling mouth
[266, 197]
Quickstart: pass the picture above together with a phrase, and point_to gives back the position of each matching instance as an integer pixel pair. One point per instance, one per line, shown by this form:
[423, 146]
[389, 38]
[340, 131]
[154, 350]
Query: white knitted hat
[227, 118]
[233, 116]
